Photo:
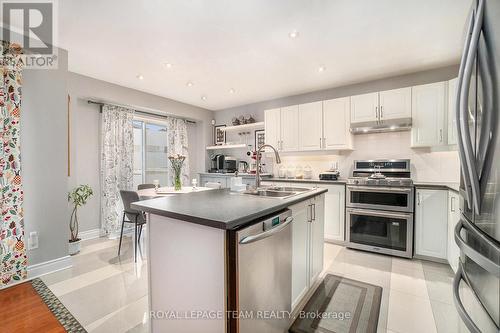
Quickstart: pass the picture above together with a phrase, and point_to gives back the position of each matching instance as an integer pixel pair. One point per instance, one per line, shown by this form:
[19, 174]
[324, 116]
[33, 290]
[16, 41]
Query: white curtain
[117, 153]
[178, 144]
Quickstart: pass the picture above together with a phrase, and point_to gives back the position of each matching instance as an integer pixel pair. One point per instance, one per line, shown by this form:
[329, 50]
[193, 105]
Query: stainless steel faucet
[257, 162]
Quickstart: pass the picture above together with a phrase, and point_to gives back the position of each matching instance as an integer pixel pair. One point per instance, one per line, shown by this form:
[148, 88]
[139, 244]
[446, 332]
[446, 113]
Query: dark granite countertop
[438, 185]
[311, 181]
[219, 208]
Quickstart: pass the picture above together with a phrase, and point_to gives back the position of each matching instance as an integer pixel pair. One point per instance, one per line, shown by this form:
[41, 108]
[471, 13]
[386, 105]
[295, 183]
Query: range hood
[390, 125]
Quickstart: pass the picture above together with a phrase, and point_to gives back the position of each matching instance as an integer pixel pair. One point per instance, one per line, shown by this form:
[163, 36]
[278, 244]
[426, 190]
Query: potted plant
[78, 197]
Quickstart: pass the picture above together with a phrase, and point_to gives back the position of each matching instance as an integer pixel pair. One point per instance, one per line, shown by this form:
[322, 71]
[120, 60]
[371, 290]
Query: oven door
[383, 232]
[399, 199]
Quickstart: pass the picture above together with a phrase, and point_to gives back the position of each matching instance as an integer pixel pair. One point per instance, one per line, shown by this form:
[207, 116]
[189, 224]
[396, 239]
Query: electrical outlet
[33, 240]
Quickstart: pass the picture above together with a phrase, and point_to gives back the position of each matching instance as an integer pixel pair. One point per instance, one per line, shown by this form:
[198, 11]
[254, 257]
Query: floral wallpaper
[13, 260]
[117, 163]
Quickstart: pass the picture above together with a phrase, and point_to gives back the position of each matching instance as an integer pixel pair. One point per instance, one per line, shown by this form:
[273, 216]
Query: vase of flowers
[177, 161]
[78, 197]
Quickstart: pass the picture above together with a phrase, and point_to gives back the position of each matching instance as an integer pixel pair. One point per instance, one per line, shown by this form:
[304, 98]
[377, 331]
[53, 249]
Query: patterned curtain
[117, 154]
[178, 144]
[13, 266]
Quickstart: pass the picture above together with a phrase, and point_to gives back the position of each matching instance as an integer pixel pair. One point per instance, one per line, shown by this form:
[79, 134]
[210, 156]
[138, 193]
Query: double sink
[277, 191]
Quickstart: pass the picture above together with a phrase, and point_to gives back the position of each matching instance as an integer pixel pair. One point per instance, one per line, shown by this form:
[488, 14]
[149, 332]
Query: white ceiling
[244, 45]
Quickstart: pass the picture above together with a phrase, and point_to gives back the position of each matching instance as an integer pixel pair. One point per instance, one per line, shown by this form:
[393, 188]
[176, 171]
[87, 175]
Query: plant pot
[74, 247]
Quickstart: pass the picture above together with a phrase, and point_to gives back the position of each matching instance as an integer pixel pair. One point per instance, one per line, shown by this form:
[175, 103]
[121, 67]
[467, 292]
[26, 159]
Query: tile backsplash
[426, 165]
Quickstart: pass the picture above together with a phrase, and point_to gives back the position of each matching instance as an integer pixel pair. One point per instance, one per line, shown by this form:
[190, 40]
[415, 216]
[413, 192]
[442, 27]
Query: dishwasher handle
[268, 233]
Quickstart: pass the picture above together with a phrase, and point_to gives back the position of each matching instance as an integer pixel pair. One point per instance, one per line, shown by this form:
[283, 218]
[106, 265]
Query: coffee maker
[217, 163]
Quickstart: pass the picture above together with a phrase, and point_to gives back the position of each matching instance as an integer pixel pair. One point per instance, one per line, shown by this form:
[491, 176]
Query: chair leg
[135, 245]
[121, 235]
[140, 233]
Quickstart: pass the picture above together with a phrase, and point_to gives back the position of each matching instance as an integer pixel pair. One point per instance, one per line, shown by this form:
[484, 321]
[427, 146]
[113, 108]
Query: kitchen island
[193, 261]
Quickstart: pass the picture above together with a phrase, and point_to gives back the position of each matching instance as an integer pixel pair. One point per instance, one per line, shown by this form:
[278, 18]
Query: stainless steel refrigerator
[476, 285]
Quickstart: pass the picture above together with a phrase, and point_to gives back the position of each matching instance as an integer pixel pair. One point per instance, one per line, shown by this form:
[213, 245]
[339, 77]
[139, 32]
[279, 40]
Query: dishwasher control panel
[276, 220]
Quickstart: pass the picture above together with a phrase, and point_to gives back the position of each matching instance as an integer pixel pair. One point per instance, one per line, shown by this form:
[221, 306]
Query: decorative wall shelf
[235, 146]
[243, 128]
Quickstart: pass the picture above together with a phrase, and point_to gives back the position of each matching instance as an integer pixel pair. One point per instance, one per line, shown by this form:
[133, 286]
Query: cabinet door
[452, 121]
[317, 238]
[290, 128]
[364, 108]
[395, 104]
[336, 122]
[335, 213]
[272, 126]
[453, 252]
[428, 103]
[431, 223]
[300, 253]
[310, 126]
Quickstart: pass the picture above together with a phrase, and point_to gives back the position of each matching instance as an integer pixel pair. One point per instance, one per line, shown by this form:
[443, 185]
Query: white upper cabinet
[428, 114]
[431, 223]
[310, 126]
[364, 108]
[395, 104]
[336, 122]
[452, 122]
[272, 126]
[290, 128]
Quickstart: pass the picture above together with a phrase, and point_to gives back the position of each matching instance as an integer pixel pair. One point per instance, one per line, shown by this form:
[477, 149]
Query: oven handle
[378, 213]
[380, 189]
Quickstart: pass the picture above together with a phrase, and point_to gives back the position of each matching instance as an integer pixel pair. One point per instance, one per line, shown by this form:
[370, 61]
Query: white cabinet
[317, 237]
[431, 223]
[428, 114]
[336, 123]
[395, 104]
[364, 108]
[453, 252]
[310, 126]
[300, 253]
[272, 127]
[290, 128]
[307, 246]
[452, 121]
[334, 213]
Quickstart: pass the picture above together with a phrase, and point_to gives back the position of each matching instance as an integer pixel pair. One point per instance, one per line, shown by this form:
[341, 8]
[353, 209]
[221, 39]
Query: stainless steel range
[380, 206]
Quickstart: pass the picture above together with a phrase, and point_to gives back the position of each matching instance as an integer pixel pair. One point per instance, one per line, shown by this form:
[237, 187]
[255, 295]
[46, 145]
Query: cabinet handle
[376, 113]
[381, 112]
[313, 209]
[452, 204]
[418, 199]
[309, 213]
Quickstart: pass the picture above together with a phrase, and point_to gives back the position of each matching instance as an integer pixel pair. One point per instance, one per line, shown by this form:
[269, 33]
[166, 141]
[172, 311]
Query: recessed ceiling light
[293, 34]
[232, 91]
[189, 84]
[140, 77]
[167, 65]
[321, 69]
[203, 97]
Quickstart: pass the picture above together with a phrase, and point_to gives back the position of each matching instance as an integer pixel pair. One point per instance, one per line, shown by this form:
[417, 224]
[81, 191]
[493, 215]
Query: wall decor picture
[219, 135]
[260, 139]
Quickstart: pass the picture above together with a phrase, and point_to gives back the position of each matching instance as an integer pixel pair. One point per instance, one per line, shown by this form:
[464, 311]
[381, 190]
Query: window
[150, 153]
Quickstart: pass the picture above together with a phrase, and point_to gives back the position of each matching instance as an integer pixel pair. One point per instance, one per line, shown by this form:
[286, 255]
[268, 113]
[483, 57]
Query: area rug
[62, 314]
[340, 305]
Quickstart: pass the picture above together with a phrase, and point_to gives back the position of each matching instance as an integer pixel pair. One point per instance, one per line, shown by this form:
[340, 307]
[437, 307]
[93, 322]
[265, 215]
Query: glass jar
[307, 172]
[299, 172]
[290, 172]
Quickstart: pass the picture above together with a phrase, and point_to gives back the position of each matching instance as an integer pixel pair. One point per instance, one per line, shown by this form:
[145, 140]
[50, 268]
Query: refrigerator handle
[458, 302]
[478, 258]
[464, 102]
[461, 153]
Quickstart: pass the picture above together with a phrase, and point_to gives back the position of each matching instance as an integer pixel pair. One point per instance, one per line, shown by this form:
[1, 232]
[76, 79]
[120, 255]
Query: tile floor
[109, 294]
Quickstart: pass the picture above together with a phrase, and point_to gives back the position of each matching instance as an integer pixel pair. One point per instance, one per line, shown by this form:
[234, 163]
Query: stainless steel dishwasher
[264, 274]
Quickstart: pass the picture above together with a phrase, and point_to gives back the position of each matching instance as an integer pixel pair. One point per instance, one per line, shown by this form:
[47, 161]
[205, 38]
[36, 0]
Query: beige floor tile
[447, 319]
[410, 282]
[409, 314]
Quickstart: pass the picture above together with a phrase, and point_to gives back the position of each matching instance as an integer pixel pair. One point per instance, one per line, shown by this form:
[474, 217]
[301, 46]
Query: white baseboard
[90, 234]
[50, 266]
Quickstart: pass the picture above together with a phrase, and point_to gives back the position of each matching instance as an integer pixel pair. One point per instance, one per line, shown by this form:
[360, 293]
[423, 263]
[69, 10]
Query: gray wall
[257, 109]
[44, 159]
[85, 137]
